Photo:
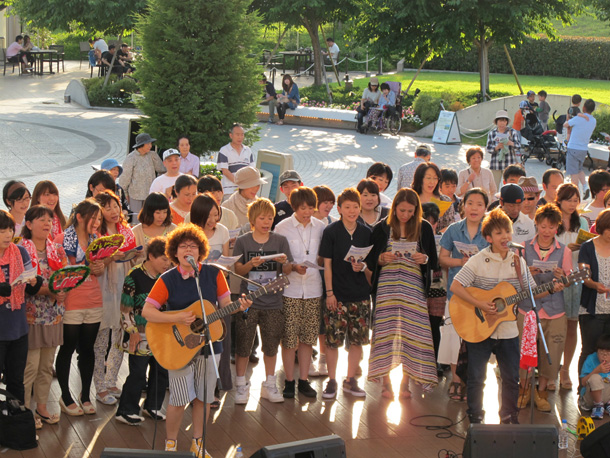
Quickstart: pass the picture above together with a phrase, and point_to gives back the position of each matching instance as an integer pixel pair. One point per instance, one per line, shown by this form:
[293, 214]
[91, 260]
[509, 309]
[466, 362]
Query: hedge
[572, 57]
[116, 94]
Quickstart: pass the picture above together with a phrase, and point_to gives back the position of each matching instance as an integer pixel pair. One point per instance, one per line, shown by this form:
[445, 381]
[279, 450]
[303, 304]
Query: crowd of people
[383, 275]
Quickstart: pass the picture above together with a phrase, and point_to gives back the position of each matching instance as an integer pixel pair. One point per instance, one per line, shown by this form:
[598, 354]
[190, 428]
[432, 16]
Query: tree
[310, 14]
[91, 15]
[195, 75]
[416, 28]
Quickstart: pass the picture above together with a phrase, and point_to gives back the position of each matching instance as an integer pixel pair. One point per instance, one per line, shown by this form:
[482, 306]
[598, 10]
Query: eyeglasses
[431, 178]
[184, 246]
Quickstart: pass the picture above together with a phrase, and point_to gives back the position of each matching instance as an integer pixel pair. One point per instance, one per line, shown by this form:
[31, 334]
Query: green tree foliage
[111, 17]
[195, 75]
[309, 14]
[421, 26]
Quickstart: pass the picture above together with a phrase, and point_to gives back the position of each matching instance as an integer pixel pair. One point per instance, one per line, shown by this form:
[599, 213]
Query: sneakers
[582, 405]
[198, 450]
[171, 445]
[313, 372]
[269, 390]
[242, 394]
[155, 414]
[322, 369]
[132, 420]
[512, 419]
[475, 419]
[350, 385]
[540, 398]
[598, 412]
[306, 390]
[330, 392]
[289, 389]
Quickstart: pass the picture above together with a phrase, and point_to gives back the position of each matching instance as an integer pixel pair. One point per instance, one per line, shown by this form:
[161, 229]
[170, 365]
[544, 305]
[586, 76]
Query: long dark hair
[564, 192]
[413, 228]
[287, 88]
[50, 187]
[418, 178]
[106, 198]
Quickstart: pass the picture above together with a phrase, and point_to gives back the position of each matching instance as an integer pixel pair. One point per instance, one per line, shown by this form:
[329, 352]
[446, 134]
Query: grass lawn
[586, 25]
[439, 82]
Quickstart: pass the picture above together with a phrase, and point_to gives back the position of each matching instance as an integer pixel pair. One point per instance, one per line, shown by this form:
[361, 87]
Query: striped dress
[401, 332]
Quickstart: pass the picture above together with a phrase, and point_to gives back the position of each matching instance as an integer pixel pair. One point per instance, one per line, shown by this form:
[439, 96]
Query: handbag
[17, 427]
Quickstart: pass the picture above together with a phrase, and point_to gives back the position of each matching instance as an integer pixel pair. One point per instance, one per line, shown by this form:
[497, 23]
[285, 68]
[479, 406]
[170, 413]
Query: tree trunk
[483, 46]
[312, 28]
[113, 60]
[277, 45]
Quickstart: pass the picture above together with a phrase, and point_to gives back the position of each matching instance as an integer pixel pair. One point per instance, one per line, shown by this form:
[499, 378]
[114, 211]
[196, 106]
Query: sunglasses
[530, 198]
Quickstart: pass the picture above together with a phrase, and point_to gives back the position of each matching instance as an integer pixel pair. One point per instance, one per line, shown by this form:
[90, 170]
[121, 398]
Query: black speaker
[320, 447]
[597, 443]
[132, 453]
[511, 441]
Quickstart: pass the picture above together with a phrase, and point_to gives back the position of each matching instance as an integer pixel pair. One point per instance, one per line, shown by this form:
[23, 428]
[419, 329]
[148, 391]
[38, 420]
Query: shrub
[116, 94]
[427, 107]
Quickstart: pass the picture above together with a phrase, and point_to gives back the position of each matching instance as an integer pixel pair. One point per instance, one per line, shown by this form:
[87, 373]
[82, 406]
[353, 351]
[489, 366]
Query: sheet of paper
[227, 261]
[269, 257]
[311, 265]
[357, 254]
[583, 236]
[403, 249]
[25, 276]
[544, 266]
[466, 249]
[234, 233]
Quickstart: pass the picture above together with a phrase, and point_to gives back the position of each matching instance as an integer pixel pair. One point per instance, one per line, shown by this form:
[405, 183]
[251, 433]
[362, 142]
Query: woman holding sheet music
[401, 330]
[426, 183]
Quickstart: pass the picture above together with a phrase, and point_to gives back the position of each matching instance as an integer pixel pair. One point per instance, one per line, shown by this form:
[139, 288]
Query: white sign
[447, 129]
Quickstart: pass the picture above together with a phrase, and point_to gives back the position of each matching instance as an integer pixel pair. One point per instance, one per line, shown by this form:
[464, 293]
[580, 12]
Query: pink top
[13, 49]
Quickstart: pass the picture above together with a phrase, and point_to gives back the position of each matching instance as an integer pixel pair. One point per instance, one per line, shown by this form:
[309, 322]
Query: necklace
[303, 241]
[351, 231]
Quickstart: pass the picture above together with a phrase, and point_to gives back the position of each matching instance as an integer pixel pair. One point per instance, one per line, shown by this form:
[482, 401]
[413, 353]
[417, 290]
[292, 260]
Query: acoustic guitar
[174, 345]
[474, 325]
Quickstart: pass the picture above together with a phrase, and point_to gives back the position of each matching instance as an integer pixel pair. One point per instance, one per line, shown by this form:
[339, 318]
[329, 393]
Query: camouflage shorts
[351, 318]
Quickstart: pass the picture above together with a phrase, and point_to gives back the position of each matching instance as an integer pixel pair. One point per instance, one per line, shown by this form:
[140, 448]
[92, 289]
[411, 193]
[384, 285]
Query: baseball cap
[530, 93]
[511, 193]
[524, 104]
[170, 152]
[289, 175]
[374, 81]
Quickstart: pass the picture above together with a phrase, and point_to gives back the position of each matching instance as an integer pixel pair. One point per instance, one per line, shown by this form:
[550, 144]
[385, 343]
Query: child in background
[543, 109]
[46, 193]
[595, 380]
[449, 181]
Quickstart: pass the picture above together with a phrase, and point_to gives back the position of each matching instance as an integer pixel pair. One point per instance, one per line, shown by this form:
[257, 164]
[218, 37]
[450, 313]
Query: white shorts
[186, 384]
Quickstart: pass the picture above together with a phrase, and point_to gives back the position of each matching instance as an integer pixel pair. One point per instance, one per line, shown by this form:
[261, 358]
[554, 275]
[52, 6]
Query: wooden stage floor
[370, 427]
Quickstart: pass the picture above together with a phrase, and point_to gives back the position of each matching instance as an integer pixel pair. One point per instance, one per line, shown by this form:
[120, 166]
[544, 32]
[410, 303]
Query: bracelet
[329, 290]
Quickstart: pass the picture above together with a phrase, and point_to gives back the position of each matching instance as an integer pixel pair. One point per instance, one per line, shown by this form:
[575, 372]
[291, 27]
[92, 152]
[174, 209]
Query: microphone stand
[208, 342]
[244, 314]
[531, 372]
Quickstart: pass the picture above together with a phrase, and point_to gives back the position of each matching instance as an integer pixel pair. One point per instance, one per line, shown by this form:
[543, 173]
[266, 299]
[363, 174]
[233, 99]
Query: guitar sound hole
[500, 306]
[197, 326]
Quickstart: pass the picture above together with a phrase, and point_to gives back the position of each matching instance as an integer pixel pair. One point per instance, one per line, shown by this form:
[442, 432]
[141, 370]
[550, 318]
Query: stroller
[542, 144]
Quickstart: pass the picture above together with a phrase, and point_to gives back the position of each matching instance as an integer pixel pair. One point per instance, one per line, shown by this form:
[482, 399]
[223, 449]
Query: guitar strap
[517, 261]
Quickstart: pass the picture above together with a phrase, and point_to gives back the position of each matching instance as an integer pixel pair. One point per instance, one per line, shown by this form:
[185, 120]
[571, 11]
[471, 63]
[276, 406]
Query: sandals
[279, 123]
[88, 408]
[50, 420]
[386, 391]
[551, 386]
[455, 391]
[37, 423]
[405, 393]
[215, 404]
[107, 399]
[567, 384]
[75, 411]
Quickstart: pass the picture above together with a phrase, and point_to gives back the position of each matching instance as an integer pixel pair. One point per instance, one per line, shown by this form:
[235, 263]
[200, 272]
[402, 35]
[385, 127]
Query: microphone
[191, 260]
[516, 246]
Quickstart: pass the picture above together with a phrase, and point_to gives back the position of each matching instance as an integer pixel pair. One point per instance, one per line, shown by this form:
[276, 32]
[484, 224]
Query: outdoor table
[297, 55]
[39, 60]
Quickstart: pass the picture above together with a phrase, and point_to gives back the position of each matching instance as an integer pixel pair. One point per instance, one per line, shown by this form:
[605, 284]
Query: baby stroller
[541, 144]
[377, 120]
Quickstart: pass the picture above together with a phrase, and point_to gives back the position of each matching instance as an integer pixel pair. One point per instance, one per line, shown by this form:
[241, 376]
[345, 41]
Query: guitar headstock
[276, 285]
[577, 276]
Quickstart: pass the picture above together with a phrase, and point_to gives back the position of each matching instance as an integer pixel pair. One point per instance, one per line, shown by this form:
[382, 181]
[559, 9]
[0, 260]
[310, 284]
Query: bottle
[239, 453]
[563, 436]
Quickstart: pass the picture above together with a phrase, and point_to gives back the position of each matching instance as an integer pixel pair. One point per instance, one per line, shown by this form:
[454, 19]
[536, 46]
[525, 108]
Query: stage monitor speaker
[320, 447]
[597, 443]
[133, 453]
[511, 441]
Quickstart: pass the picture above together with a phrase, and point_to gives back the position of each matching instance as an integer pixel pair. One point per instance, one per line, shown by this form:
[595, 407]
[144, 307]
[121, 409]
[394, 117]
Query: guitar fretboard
[233, 306]
[525, 293]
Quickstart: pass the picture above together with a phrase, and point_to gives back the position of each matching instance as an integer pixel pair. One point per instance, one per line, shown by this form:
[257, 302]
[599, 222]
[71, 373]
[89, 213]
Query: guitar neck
[545, 287]
[233, 306]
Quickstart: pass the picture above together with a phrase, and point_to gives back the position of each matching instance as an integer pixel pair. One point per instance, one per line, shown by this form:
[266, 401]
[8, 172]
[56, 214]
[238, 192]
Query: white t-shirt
[217, 241]
[162, 182]
[101, 45]
[334, 52]
[523, 229]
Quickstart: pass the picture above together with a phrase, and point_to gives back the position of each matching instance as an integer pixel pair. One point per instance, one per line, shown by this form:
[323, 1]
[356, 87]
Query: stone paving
[41, 137]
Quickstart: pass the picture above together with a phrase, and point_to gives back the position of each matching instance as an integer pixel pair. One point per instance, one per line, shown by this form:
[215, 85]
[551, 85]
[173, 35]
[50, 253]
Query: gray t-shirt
[266, 272]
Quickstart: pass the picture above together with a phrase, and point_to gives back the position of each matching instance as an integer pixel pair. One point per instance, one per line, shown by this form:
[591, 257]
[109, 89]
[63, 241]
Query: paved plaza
[41, 137]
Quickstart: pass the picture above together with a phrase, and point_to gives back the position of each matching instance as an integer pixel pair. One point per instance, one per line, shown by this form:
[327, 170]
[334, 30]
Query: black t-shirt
[348, 286]
[122, 54]
[269, 90]
[107, 56]
[283, 210]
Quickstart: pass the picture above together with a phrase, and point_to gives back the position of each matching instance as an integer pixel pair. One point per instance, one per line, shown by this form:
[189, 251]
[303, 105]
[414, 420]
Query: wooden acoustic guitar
[174, 345]
[474, 325]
